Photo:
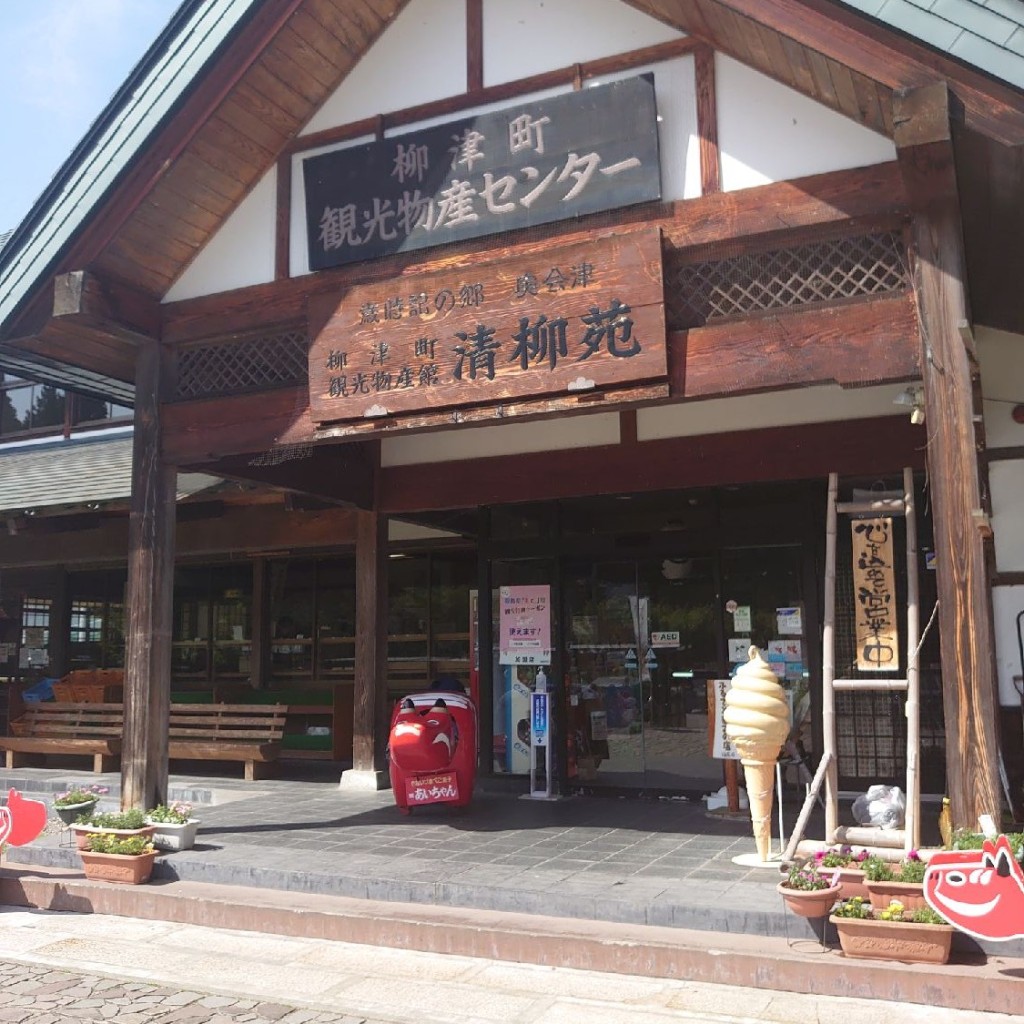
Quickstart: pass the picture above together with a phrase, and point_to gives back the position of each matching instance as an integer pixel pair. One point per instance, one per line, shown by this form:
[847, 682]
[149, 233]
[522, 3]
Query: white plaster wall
[779, 409]
[768, 132]
[1001, 356]
[1006, 479]
[1007, 604]
[241, 253]
[419, 58]
[526, 37]
[503, 439]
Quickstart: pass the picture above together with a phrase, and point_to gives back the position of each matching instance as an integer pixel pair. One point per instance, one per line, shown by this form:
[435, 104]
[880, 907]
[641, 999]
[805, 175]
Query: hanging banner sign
[568, 318]
[874, 595]
[721, 746]
[525, 624]
[528, 164]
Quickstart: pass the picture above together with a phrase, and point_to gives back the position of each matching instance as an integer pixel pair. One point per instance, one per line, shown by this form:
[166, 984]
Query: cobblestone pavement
[40, 995]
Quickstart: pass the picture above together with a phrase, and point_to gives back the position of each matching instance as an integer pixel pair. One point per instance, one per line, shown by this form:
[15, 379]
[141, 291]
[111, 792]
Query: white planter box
[174, 837]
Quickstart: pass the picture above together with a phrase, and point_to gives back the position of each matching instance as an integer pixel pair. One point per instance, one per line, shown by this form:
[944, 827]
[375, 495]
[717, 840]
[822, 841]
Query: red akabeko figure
[981, 892]
[432, 748]
[21, 820]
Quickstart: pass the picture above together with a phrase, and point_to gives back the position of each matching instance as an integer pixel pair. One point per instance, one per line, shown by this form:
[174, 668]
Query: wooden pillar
[923, 134]
[369, 713]
[147, 666]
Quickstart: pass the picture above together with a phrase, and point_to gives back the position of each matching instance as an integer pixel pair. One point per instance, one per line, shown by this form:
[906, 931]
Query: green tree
[48, 408]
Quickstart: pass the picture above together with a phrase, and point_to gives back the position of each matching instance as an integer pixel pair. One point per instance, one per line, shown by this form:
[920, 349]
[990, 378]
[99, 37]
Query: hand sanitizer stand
[540, 738]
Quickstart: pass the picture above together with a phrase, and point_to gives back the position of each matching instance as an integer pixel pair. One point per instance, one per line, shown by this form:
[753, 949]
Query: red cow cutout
[981, 892]
[21, 820]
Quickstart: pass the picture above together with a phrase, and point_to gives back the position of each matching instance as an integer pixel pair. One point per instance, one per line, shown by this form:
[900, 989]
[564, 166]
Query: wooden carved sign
[874, 596]
[551, 322]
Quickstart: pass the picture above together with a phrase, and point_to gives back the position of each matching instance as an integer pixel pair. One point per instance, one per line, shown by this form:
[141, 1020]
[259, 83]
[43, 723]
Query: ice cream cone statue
[757, 723]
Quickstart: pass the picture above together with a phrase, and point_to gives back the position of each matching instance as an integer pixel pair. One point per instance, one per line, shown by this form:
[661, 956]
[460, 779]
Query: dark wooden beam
[851, 199]
[865, 342]
[474, 45]
[707, 120]
[369, 718]
[338, 472]
[852, 447]
[147, 664]
[283, 219]
[109, 308]
[923, 135]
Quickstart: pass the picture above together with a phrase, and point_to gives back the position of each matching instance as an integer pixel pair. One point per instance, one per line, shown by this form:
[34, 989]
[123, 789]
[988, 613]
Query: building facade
[573, 305]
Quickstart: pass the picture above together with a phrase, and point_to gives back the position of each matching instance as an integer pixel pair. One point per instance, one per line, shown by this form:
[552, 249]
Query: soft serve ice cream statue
[757, 723]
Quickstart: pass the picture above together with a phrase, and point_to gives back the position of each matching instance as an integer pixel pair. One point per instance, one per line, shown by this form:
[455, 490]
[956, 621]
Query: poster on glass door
[525, 625]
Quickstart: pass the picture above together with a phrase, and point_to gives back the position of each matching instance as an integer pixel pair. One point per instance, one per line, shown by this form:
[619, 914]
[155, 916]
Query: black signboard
[532, 163]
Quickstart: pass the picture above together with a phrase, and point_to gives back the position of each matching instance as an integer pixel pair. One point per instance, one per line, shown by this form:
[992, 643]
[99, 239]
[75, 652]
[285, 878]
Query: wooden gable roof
[286, 57]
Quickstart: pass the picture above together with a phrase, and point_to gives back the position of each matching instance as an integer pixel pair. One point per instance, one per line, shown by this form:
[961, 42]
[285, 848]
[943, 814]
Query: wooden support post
[923, 134]
[147, 663]
[707, 120]
[369, 714]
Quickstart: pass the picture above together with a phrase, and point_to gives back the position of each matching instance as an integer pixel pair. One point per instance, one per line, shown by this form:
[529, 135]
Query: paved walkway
[63, 968]
[662, 862]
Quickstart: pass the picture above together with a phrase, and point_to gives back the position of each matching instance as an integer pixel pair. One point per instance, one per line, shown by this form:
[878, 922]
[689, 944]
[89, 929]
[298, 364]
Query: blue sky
[62, 61]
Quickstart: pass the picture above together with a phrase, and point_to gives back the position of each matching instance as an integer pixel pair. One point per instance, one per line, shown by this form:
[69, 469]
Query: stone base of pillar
[364, 780]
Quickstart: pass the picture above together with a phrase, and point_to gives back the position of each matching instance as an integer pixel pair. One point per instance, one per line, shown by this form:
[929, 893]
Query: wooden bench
[66, 728]
[250, 733]
[227, 732]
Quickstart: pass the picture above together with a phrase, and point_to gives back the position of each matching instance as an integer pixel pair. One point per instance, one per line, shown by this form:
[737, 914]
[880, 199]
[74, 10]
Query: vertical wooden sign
[874, 596]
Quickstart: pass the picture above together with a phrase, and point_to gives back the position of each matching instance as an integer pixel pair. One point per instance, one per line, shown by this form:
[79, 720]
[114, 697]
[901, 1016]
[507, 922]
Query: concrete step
[987, 984]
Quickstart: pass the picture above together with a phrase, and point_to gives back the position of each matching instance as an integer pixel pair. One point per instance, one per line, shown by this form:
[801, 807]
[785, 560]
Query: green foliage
[107, 842]
[79, 795]
[808, 878]
[118, 819]
[911, 869]
[893, 912]
[177, 814]
[925, 915]
[856, 907]
[877, 870]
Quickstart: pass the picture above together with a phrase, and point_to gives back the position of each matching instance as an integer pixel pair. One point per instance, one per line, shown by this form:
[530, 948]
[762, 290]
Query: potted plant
[809, 892]
[118, 823]
[112, 858]
[965, 839]
[77, 801]
[174, 828]
[903, 881]
[846, 865]
[893, 933]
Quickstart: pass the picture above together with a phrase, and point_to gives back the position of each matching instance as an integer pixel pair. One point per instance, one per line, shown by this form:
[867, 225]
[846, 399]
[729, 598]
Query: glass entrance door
[641, 642]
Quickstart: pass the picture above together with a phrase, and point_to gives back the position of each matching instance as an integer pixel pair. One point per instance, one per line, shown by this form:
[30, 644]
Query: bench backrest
[256, 723]
[64, 718]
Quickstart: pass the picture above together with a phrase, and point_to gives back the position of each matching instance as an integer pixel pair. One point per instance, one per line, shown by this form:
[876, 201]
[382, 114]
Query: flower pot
[852, 881]
[69, 813]
[910, 894]
[82, 833]
[117, 867]
[894, 940]
[169, 836]
[809, 902]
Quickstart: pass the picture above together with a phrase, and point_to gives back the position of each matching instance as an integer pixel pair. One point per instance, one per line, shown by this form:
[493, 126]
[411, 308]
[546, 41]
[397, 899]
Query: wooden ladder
[908, 837]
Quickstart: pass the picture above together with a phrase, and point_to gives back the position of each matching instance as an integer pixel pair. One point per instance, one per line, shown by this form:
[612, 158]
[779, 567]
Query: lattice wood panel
[824, 271]
[249, 364]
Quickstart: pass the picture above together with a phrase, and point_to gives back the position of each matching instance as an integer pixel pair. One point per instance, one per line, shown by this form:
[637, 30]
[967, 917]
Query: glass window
[292, 614]
[336, 618]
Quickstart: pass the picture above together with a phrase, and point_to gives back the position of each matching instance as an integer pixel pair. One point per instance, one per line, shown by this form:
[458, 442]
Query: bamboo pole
[912, 825]
[828, 668]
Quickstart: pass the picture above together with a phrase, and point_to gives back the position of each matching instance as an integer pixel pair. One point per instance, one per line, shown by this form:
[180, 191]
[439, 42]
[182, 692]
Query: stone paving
[42, 995]
[636, 860]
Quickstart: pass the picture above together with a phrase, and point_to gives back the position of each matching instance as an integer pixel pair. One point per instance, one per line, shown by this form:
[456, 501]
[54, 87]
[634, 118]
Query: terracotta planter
[82, 833]
[894, 940]
[852, 881]
[71, 812]
[910, 894]
[809, 902]
[116, 867]
[168, 836]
